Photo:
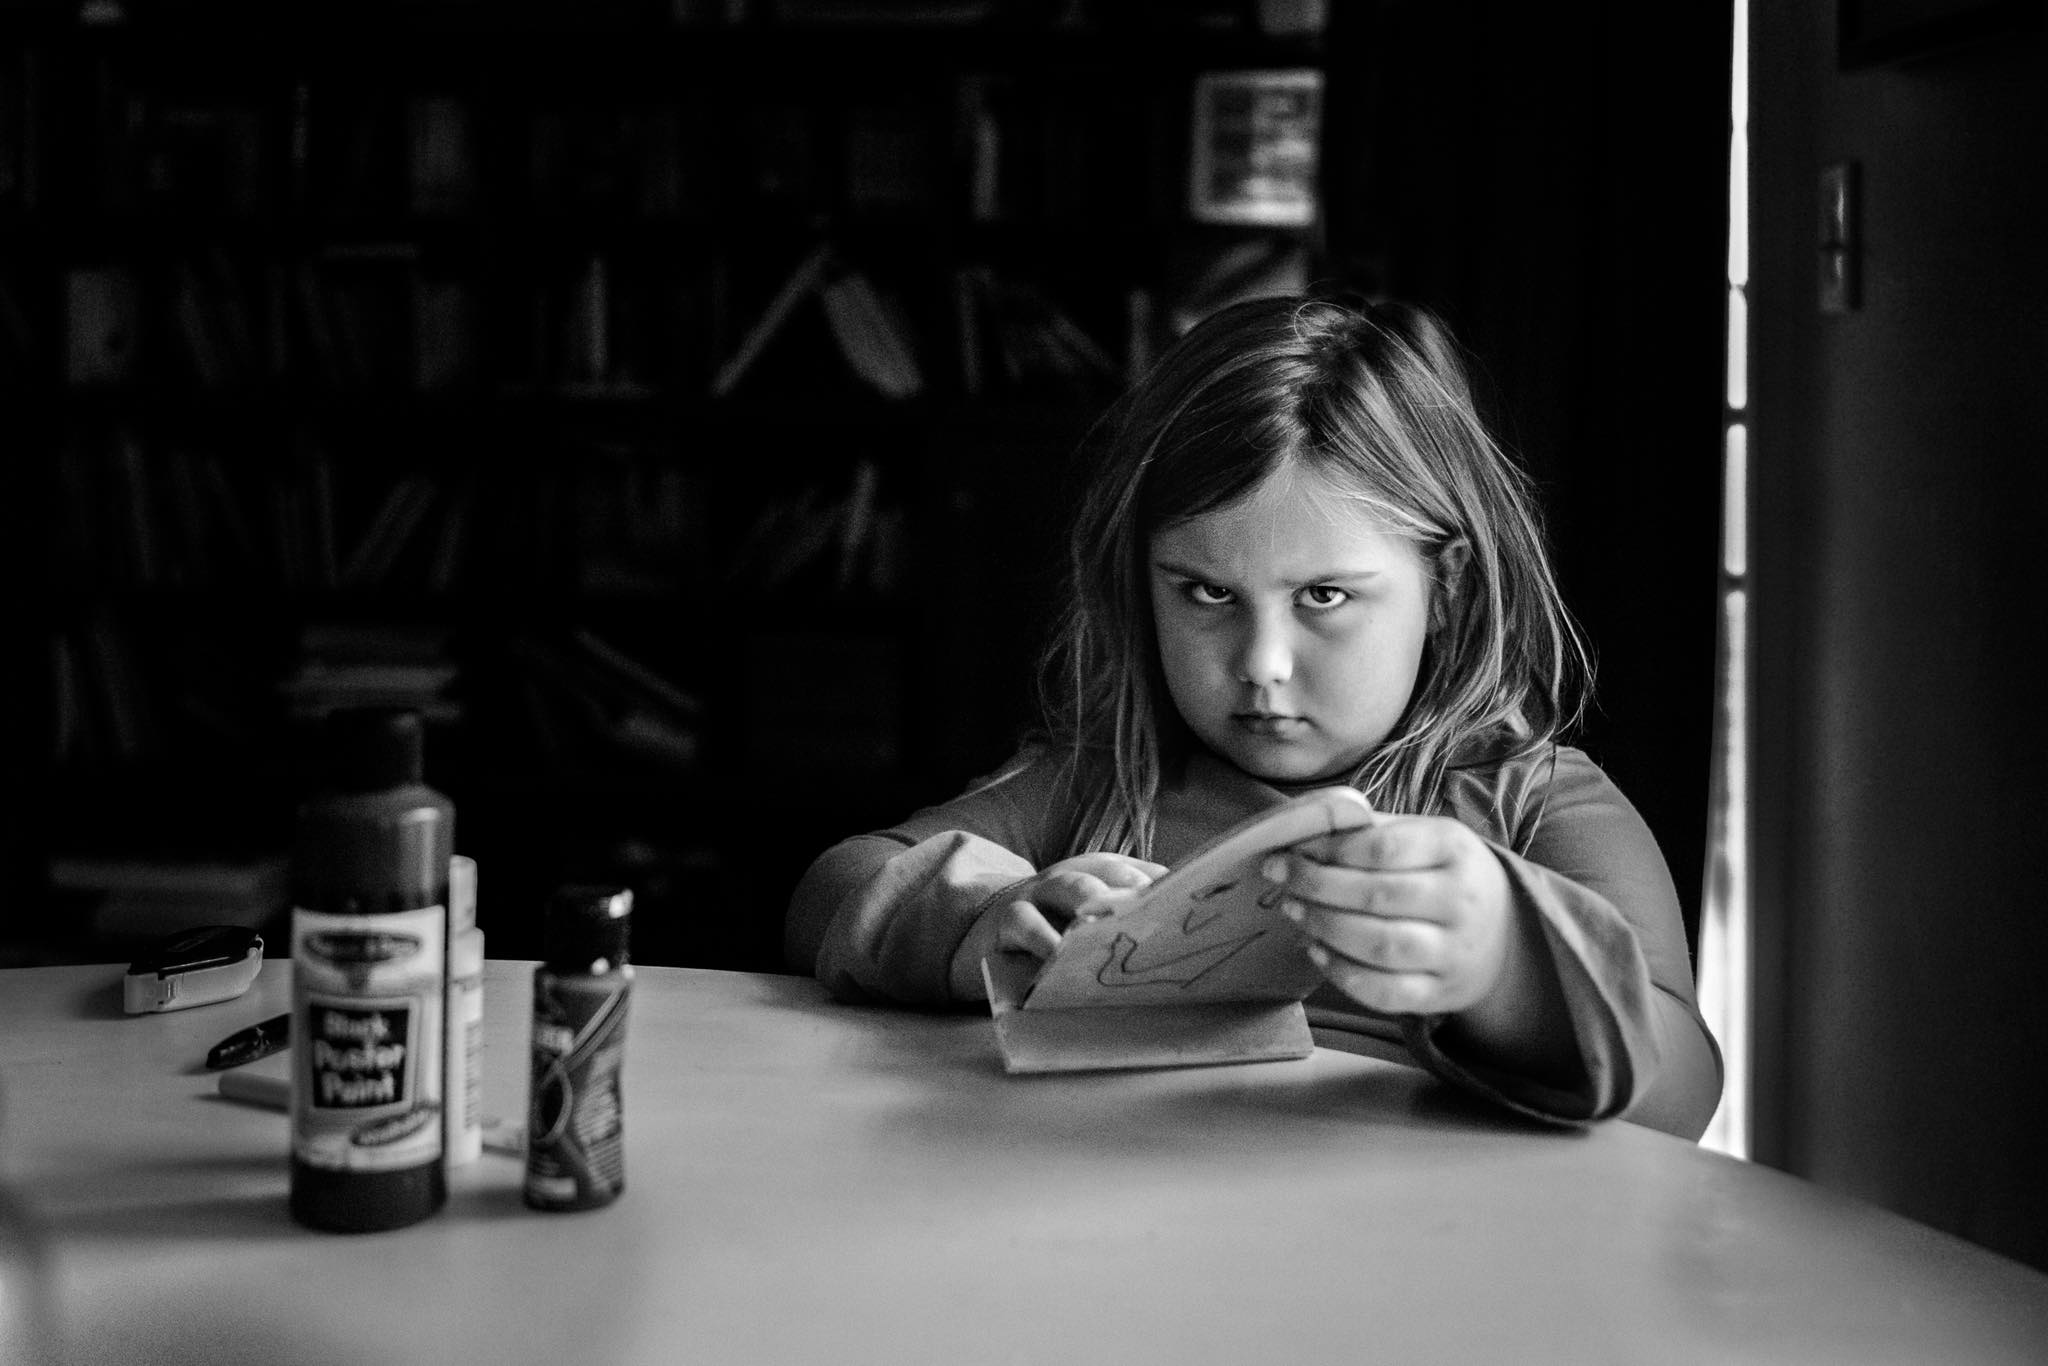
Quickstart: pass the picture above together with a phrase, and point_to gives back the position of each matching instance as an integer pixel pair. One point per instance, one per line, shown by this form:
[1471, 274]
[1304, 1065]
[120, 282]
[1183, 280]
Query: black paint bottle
[576, 1122]
[370, 980]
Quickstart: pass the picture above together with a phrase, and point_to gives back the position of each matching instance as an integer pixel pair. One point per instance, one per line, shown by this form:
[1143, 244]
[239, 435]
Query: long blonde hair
[1376, 401]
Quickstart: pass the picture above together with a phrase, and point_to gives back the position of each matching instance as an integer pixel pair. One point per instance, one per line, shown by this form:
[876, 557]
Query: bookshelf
[671, 400]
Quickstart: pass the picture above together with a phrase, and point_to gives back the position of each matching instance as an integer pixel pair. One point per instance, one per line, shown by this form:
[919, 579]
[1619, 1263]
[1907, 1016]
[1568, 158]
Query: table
[808, 1181]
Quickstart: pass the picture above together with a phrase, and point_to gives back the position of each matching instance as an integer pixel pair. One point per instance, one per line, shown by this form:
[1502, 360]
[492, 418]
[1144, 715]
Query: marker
[247, 1045]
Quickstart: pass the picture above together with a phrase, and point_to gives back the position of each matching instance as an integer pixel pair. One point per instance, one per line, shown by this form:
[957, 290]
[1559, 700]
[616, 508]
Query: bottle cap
[461, 893]
[587, 928]
[466, 953]
[372, 748]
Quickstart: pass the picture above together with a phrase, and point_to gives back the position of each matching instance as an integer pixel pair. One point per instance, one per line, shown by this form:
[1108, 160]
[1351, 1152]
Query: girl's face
[1291, 626]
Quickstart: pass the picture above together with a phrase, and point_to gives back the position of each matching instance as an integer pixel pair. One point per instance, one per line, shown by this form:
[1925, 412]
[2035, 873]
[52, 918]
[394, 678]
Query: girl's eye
[1323, 596]
[1205, 594]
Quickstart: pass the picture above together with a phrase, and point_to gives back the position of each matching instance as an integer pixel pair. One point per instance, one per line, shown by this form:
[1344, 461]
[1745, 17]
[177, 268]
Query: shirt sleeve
[877, 918]
[1597, 884]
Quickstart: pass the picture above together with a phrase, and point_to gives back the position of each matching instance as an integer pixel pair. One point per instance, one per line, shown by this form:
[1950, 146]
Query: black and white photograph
[1044, 682]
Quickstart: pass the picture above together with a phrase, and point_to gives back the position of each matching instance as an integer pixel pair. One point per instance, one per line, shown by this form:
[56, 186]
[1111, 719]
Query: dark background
[1499, 169]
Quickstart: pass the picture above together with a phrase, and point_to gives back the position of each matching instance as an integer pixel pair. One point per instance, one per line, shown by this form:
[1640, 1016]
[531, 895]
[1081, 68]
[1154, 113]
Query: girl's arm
[1599, 952]
[879, 917]
[906, 915]
[1555, 981]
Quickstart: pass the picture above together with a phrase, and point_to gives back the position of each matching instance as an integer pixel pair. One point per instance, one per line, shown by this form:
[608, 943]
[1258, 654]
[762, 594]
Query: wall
[1900, 592]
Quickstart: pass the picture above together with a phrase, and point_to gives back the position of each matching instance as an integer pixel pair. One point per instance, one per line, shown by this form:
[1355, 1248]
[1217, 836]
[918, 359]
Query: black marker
[247, 1045]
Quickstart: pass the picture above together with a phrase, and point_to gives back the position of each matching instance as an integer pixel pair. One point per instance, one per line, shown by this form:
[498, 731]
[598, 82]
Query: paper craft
[1201, 967]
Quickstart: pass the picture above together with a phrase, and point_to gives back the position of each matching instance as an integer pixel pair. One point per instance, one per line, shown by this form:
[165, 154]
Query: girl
[1302, 561]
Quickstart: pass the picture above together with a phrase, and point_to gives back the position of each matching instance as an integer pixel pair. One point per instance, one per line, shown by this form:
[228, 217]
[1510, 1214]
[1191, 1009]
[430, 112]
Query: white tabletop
[808, 1181]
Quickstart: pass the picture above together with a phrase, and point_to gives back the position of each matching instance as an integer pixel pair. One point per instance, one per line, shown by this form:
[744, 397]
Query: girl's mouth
[1269, 725]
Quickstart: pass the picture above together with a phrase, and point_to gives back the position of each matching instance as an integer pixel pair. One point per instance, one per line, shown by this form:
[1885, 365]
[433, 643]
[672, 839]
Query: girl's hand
[1409, 915]
[1031, 915]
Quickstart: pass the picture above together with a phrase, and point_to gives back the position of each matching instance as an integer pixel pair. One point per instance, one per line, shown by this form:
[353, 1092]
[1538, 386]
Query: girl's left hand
[1409, 915]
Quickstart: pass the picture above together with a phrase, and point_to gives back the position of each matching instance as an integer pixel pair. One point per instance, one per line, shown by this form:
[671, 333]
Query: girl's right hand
[1029, 916]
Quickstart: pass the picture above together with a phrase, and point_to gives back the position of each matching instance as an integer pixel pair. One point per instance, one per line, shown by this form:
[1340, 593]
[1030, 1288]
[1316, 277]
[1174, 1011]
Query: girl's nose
[1265, 655]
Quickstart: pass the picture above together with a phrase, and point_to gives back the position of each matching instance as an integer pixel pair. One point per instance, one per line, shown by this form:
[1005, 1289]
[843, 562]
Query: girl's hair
[1375, 401]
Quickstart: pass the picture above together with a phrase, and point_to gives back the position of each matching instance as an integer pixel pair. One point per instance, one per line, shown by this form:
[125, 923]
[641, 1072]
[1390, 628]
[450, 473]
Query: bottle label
[464, 1082]
[575, 1137]
[368, 993]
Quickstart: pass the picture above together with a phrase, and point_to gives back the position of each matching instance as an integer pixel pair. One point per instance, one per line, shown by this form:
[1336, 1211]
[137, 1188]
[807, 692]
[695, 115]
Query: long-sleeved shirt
[878, 917]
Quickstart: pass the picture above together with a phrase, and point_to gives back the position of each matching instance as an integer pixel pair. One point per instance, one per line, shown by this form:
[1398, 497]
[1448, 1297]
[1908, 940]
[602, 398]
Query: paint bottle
[370, 980]
[464, 1111]
[575, 1122]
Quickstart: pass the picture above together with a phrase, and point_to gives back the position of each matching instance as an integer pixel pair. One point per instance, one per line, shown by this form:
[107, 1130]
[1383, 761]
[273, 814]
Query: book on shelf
[856, 523]
[799, 285]
[979, 103]
[850, 542]
[587, 328]
[22, 95]
[131, 470]
[189, 551]
[392, 527]
[271, 526]
[344, 664]
[789, 533]
[446, 565]
[647, 157]
[358, 304]
[103, 306]
[156, 148]
[639, 520]
[872, 335]
[635, 673]
[224, 320]
[315, 467]
[1013, 327]
[330, 364]
[202, 157]
[442, 175]
[1067, 153]
[587, 696]
[298, 149]
[232, 533]
[358, 153]
[131, 899]
[866, 324]
[67, 720]
[607, 324]
[678, 156]
[114, 706]
[445, 330]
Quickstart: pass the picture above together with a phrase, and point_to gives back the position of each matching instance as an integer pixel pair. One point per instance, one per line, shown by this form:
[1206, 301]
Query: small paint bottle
[464, 1111]
[575, 1123]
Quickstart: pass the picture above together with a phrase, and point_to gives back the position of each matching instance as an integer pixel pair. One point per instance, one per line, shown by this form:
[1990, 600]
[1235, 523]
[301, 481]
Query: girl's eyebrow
[1333, 576]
